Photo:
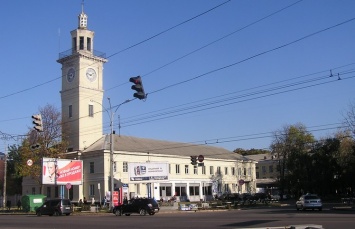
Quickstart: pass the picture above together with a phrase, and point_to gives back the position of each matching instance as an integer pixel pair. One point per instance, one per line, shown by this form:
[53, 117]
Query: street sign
[68, 185]
[241, 182]
[200, 158]
[29, 162]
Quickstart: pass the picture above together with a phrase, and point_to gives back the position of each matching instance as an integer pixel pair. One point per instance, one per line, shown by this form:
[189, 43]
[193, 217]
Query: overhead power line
[252, 57]
[132, 46]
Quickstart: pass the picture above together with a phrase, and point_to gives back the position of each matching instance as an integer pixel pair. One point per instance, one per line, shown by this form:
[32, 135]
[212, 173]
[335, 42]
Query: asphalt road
[250, 218]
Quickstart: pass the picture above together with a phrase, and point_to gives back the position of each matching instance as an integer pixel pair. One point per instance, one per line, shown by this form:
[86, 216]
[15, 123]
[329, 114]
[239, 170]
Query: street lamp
[111, 116]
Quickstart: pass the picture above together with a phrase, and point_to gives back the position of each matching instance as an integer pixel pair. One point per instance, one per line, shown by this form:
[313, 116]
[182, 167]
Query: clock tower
[82, 88]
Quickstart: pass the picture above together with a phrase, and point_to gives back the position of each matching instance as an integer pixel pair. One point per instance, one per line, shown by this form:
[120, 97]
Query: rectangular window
[92, 167]
[194, 190]
[168, 191]
[186, 169]
[245, 171]
[74, 43]
[70, 111]
[91, 110]
[204, 170]
[271, 169]
[233, 187]
[263, 169]
[169, 169]
[89, 44]
[33, 190]
[81, 44]
[239, 171]
[226, 188]
[92, 190]
[125, 167]
[225, 170]
[257, 175]
[211, 170]
[56, 192]
[233, 171]
[218, 170]
[177, 168]
[195, 169]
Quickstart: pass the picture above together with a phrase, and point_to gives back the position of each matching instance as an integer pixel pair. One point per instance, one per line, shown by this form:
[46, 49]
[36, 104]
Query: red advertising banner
[62, 171]
[115, 198]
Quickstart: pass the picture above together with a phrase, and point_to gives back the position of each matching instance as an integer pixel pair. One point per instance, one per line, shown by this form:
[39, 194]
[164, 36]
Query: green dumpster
[32, 202]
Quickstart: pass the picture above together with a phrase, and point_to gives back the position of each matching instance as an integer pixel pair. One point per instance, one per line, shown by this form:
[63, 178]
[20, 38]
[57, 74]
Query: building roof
[143, 145]
[261, 157]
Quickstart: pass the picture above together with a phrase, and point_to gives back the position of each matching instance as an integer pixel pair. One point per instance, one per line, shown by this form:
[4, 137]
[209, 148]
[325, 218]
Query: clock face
[71, 75]
[91, 74]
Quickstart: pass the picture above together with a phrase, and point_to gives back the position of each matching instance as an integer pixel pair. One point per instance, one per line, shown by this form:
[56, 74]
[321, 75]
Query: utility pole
[111, 154]
[4, 188]
[111, 116]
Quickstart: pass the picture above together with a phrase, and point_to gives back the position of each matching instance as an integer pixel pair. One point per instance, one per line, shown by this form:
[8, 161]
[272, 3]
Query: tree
[51, 144]
[324, 168]
[291, 145]
[346, 162]
[349, 118]
[13, 178]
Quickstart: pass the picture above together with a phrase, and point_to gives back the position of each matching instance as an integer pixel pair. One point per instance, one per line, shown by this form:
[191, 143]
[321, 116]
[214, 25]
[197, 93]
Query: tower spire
[83, 18]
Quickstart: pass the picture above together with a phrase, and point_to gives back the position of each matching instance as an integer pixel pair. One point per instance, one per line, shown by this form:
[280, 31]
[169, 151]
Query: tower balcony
[73, 51]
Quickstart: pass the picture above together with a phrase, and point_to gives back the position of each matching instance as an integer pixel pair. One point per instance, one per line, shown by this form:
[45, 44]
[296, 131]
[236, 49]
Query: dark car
[140, 206]
[260, 197]
[55, 207]
[230, 197]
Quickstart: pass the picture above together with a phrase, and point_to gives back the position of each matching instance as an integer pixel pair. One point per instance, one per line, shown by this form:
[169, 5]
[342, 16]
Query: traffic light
[138, 86]
[193, 160]
[35, 146]
[37, 120]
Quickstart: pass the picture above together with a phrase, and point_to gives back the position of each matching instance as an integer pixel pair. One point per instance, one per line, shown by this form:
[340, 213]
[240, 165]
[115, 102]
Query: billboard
[148, 172]
[62, 171]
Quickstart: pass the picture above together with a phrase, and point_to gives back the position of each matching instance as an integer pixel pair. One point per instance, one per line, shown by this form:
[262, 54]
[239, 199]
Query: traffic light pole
[111, 116]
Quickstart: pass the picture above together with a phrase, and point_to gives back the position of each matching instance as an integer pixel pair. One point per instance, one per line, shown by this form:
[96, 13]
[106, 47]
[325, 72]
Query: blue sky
[226, 76]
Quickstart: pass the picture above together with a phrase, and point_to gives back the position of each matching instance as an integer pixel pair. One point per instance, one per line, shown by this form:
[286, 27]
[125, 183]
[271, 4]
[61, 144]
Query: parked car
[260, 197]
[55, 207]
[230, 197]
[140, 206]
[309, 201]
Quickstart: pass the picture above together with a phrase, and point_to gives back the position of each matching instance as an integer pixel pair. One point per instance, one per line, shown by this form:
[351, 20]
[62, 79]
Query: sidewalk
[174, 209]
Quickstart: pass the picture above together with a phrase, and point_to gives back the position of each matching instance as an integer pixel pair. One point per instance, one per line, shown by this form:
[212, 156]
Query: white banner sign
[145, 172]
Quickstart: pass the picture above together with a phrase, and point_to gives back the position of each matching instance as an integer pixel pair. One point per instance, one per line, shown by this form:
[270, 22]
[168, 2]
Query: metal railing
[72, 51]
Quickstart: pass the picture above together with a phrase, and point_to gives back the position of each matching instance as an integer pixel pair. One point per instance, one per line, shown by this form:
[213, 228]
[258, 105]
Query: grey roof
[262, 157]
[134, 144]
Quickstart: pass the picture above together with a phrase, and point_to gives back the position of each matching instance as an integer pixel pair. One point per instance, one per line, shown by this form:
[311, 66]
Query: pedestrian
[8, 205]
[19, 205]
[85, 204]
[80, 205]
[104, 201]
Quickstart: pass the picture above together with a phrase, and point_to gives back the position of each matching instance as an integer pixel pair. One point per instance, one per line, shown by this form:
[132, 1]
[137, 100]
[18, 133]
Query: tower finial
[82, 17]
